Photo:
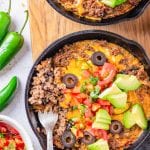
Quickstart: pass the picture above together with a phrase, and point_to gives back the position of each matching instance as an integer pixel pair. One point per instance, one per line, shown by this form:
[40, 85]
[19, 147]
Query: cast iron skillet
[133, 47]
[134, 13]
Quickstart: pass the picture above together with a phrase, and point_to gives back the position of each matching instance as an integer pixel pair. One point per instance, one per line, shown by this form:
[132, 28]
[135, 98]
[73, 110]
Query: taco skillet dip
[98, 9]
[100, 91]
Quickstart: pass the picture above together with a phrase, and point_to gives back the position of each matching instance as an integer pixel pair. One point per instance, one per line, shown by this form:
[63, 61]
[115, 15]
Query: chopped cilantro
[1, 135]
[82, 108]
[83, 89]
[95, 93]
[75, 107]
[93, 80]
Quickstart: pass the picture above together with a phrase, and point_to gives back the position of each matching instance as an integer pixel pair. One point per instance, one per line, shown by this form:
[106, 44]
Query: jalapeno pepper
[7, 93]
[5, 21]
[11, 45]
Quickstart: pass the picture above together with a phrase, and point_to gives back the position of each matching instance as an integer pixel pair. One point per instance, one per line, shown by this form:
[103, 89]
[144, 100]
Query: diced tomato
[108, 73]
[111, 110]
[6, 143]
[13, 131]
[80, 97]
[65, 91]
[3, 129]
[110, 84]
[20, 146]
[79, 133]
[95, 106]
[107, 108]
[75, 90]
[88, 113]
[96, 74]
[104, 134]
[96, 132]
[86, 73]
[99, 133]
[87, 103]
[108, 69]
[89, 123]
[80, 100]
[104, 102]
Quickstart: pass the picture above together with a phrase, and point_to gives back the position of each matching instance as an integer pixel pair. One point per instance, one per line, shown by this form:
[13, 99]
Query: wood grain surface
[47, 25]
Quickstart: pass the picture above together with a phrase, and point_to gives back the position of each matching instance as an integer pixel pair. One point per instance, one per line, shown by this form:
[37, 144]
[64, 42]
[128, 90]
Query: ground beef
[92, 9]
[45, 94]
[134, 2]
[67, 1]
[102, 43]
[116, 51]
[62, 58]
[113, 143]
[95, 10]
[60, 128]
[141, 74]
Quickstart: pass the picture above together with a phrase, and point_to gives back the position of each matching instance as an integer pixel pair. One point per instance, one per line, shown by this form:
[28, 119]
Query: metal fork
[48, 121]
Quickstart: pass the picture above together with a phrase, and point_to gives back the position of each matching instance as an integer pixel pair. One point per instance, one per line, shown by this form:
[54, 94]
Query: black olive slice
[88, 138]
[116, 127]
[70, 80]
[98, 58]
[68, 139]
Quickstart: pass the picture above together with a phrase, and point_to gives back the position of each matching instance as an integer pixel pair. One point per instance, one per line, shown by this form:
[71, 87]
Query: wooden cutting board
[47, 25]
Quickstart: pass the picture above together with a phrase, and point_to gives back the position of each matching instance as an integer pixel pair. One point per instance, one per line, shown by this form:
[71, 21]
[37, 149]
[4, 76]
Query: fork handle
[49, 140]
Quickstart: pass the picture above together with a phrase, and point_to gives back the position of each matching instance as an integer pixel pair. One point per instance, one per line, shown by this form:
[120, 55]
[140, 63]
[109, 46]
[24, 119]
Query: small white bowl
[20, 129]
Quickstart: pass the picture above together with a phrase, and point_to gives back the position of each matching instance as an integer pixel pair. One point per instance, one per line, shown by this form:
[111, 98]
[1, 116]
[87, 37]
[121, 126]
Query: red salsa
[10, 138]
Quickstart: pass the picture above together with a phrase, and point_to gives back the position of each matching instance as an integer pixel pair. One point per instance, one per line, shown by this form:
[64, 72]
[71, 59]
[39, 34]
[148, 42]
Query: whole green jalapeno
[11, 45]
[7, 93]
[5, 21]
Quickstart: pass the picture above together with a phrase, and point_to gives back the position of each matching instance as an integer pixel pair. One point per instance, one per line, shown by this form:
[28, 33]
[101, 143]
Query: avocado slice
[127, 82]
[119, 2]
[103, 120]
[135, 116]
[110, 91]
[102, 113]
[139, 116]
[99, 145]
[110, 3]
[100, 125]
[118, 100]
[113, 3]
[128, 120]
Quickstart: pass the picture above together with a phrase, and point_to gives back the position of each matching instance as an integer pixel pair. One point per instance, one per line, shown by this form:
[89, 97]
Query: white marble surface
[20, 67]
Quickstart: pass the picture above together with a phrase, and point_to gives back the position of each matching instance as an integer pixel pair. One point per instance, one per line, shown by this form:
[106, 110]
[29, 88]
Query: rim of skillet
[50, 49]
[130, 15]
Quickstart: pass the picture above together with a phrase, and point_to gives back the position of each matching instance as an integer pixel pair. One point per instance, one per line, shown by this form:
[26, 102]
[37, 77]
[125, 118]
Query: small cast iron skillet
[133, 47]
[134, 13]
